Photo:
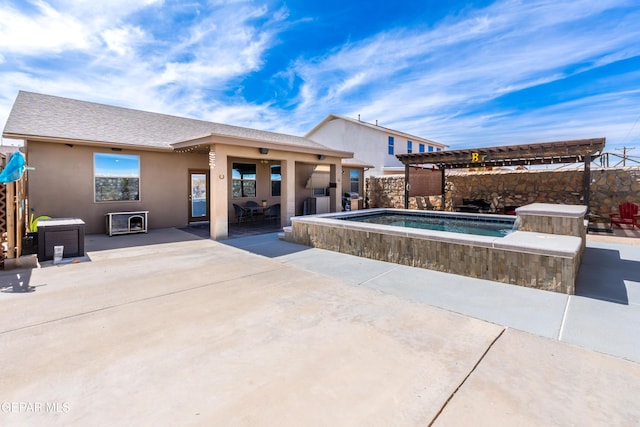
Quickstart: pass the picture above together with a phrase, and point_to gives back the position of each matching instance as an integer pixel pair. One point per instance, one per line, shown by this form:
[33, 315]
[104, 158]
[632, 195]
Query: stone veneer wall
[388, 192]
[555, 219]
[609, 188]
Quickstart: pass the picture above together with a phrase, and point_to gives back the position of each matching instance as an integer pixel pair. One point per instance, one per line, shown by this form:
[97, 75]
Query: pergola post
[444, 187]
[586, 181]
[407, 186]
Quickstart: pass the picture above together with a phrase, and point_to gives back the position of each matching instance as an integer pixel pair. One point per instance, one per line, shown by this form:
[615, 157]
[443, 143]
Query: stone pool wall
[568, 220]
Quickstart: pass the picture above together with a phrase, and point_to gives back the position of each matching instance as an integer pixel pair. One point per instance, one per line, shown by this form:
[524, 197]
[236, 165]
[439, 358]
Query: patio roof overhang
[544, 153]
[203, 143]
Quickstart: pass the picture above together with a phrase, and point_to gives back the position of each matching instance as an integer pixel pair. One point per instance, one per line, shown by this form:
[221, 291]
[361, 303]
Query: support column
[288, 195]
[218, 193]
[335, 186]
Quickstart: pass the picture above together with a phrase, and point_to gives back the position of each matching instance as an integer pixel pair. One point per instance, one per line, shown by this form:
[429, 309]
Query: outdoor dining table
[255, 210]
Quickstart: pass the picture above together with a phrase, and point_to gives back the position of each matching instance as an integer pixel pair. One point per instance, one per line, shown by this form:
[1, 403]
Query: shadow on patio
[604, 275]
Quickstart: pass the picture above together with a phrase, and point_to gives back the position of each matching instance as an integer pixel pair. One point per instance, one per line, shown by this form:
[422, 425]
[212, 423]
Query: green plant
[33, 222]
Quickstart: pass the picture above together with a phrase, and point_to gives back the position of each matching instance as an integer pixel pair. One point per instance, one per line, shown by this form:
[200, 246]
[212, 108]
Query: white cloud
[123, 40]
[46, 31]
[102, 14]
[124, 62]
[461, 64]
[191, 59]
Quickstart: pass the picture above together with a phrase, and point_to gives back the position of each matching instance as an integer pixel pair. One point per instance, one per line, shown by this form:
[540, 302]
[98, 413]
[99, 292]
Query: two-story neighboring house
[370, 143]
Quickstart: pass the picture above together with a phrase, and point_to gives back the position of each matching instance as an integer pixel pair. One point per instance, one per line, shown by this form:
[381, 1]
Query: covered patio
[265, 170]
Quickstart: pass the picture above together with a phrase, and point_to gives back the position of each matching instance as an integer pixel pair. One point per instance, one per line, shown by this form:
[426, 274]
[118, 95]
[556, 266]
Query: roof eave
[414, 138]
[258, 143]
[109, 144]
[319, 125]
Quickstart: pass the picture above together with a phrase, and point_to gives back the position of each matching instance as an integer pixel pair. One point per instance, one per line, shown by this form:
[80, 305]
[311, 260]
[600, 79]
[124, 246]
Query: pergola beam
[513, 155]
[573, 151]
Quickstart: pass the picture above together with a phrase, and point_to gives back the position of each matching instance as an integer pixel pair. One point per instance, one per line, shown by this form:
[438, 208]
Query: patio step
[286, 234]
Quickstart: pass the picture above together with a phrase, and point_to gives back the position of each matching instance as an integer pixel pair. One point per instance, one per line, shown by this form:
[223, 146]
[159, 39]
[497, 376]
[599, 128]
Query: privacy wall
[609, 188]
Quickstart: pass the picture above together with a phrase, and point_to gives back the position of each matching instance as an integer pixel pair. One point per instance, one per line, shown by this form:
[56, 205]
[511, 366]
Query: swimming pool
[543, 253]
[485, 225]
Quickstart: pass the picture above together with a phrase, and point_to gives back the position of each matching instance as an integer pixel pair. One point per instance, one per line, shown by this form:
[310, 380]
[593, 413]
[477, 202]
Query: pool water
[483, 226]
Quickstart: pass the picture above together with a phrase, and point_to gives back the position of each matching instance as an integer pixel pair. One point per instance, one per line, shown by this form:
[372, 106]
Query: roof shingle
[47, 116]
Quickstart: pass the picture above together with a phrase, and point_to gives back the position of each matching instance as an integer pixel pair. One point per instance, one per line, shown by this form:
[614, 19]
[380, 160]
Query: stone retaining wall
[609, 188]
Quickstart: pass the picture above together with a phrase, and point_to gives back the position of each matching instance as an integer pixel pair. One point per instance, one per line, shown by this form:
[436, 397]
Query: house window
[243, 180]
[409, 147]
[116, 177]
[276, 180]
[438, 149]
[421, 148]
[354, 181]
[431, 149]
[391, 145]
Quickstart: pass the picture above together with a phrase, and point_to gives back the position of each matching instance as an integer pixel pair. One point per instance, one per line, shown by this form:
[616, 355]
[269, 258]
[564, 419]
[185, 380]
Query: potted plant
[30, 240]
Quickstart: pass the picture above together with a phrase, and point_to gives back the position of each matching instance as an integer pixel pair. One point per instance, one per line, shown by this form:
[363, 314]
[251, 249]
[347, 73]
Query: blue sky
[116, 165]
[466, 74]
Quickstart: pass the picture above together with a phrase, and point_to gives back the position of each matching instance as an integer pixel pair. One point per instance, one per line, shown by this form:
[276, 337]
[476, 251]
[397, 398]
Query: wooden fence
[13, 213]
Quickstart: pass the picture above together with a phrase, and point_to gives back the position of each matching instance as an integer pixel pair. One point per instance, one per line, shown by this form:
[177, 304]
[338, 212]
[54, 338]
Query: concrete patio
[172, 329]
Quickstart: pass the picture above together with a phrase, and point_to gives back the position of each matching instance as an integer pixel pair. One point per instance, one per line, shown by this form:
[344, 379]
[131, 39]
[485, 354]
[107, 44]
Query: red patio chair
[627, 214]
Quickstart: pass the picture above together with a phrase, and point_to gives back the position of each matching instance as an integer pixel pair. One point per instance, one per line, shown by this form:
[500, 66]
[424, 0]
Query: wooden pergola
[575, 151]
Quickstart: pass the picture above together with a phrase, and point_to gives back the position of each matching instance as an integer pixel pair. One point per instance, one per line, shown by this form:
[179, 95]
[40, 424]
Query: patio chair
[240, 212]
[272, 212]
[627, 215]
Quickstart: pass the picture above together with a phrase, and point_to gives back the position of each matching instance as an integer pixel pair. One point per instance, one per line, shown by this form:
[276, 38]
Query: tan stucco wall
[62, 184]
[303, 171]
[346, 183]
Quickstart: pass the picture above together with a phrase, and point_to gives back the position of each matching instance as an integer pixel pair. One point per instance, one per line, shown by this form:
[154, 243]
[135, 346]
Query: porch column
[288, 188]
[218, 193]
[335, 186]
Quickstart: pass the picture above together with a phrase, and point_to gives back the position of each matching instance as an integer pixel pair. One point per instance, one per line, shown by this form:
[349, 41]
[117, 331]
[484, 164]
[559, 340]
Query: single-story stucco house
[90, 159]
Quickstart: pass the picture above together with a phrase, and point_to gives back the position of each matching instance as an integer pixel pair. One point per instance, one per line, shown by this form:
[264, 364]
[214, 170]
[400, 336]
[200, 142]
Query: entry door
[198, 195]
